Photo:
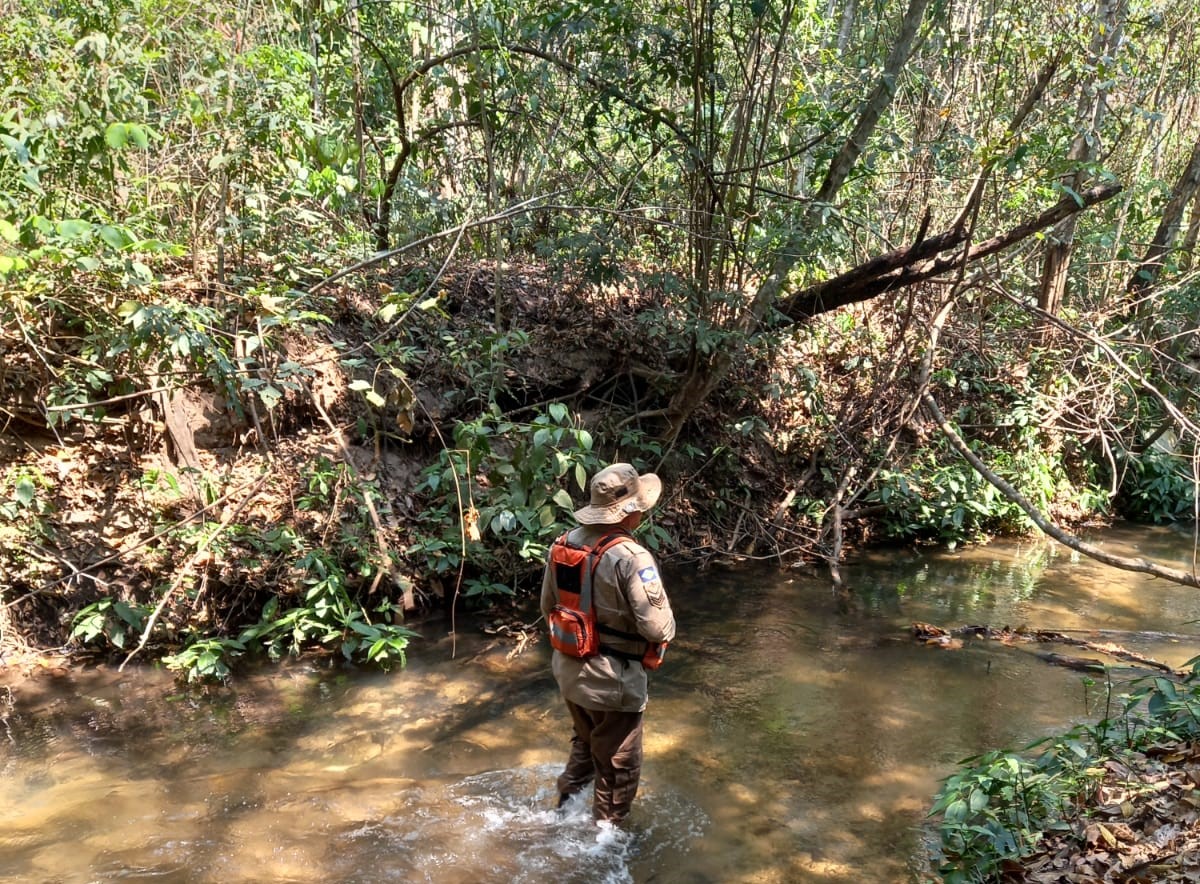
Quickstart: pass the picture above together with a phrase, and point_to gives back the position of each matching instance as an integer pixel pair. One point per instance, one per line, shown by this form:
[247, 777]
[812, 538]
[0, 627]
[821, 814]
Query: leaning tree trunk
[1168, 228]
[1188, 248]
[706, 374]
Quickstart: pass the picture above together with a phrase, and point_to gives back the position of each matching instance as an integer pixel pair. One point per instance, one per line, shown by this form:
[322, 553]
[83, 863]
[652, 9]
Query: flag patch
[648, 574]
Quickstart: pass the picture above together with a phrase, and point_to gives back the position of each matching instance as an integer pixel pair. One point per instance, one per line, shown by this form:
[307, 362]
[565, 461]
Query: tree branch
[1139, 565]
[925, 259]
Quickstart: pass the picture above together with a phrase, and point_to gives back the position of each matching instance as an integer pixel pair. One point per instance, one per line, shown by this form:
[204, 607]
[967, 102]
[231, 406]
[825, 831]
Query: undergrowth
[1001, 807]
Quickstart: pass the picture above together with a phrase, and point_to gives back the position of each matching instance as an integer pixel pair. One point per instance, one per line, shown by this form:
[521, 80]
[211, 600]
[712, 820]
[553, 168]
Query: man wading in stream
[610, 621]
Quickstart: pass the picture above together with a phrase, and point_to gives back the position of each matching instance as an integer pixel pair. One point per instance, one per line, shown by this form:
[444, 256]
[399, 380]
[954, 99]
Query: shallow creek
[787, 740]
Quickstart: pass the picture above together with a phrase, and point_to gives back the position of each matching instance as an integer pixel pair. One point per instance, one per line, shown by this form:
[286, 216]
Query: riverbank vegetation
[316, 316]
[1112, 801]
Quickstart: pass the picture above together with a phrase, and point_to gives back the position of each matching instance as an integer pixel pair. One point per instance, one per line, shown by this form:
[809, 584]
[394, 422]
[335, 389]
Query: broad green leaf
[73, 228]
[360, 384]
[127, 613]
[18, 148]
[116, 135]
[956, 812]
[8, 230]
[563, 499]
[375, 399]
[25, 492]
[270, 396]
[138, 135]
[113, 236]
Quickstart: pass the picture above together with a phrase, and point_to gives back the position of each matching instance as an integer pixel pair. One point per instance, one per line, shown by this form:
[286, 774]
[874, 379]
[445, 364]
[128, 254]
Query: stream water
[787, 740]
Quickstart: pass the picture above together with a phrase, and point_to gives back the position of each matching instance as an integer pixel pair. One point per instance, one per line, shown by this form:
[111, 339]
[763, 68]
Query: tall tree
[1107, 30]
[705, 372]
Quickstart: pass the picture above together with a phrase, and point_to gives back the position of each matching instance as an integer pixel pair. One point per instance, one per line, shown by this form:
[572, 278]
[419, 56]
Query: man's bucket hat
[618, 490]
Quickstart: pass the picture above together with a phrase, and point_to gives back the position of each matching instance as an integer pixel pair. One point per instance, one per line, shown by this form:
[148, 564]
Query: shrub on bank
[1085, 802]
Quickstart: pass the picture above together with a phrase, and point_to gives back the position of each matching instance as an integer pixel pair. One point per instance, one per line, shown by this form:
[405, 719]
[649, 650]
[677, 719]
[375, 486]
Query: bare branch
[1139, 565]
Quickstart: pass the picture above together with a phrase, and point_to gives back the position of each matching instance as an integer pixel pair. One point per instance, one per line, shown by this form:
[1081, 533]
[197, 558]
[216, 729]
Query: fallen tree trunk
[929, 258]
[951, 638]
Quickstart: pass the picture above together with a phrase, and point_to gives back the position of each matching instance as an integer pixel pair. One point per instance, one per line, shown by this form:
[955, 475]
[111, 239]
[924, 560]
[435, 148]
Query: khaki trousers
[606, 746]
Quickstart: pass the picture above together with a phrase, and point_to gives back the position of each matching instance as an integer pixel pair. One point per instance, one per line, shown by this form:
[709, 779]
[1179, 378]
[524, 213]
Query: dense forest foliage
[319, 312]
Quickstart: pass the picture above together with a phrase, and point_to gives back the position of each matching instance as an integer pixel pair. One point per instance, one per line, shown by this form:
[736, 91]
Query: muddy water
[787, 740]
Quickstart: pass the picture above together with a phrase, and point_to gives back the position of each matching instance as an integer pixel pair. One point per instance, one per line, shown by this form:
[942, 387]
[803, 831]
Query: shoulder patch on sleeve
[652, 585]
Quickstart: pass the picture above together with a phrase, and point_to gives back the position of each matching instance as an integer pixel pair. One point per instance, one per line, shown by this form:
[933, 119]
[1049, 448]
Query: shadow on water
[787, 740]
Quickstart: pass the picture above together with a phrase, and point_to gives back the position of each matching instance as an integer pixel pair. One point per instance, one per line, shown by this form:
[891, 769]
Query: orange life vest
[574, 629]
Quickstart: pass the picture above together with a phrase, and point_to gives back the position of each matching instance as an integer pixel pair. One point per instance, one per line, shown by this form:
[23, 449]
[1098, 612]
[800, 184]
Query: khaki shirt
[628, 595]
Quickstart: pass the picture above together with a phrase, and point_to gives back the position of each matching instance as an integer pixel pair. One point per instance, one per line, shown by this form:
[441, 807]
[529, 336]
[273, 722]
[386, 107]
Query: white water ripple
[502, 826]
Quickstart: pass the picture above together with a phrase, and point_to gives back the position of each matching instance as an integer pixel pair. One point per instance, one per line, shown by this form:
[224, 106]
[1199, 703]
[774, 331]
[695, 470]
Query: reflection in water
[786, 741]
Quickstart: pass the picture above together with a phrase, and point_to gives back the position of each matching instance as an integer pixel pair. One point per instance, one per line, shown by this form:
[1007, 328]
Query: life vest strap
[618, 633]
[571, 621]
[609, 651]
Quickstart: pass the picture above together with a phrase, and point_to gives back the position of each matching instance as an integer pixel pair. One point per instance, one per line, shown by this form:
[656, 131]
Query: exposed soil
[124, 505]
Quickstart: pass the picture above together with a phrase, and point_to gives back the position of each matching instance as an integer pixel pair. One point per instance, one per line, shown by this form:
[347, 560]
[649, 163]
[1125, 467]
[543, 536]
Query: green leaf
[581, 476]
[270, 396]
[375, 399]
[116, 135]
[138, 135]
[73, 228]
[114, 237]
[360, 384]
[956, 812]
[563, 499]
[25, 491]
[8, 230]
[127, 613]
